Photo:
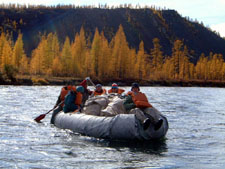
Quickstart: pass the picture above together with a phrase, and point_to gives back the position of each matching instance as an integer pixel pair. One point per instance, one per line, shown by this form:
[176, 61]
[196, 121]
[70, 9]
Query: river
[195, 138]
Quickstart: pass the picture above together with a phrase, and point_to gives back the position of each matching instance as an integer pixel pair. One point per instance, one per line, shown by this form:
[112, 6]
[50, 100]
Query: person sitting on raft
[137, 99]
[86, 93]
[61, 98]
[99, 90]
[115, 89]
[73, 100]
[64, 91]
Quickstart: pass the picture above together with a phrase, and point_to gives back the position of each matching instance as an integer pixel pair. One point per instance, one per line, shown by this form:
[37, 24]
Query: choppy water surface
[195, 138]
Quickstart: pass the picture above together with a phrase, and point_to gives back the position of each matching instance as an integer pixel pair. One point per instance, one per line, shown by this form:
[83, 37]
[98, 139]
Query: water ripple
[195, 138]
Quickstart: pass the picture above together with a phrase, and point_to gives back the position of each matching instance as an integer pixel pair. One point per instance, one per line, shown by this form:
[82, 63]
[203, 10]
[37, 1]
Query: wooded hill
[64, 42]
[139, 24]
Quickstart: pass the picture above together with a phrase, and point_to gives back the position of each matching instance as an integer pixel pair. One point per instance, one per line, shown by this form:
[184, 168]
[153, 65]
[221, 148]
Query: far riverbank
[44, 80]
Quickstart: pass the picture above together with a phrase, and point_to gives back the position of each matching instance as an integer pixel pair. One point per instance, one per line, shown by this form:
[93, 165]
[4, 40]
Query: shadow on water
[156, 147]
[74, 140]
[151, 147]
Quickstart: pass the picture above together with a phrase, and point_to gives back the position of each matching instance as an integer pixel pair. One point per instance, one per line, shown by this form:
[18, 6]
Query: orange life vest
[64, 92]
[103, 91]
[139, 99]
[70, 102]
[78, 100]
[119, 91]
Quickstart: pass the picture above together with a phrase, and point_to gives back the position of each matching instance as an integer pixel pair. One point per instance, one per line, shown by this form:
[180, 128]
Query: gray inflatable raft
[119, 127]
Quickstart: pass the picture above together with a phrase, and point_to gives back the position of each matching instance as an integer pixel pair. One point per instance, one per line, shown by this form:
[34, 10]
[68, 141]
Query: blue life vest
[69, 103]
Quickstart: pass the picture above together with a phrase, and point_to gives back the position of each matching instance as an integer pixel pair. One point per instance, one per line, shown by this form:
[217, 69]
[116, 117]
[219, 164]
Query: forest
[139, 23]
[105, 60]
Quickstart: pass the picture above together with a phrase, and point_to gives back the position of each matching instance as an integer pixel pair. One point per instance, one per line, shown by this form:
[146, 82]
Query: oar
[42, 116]
[88, 78]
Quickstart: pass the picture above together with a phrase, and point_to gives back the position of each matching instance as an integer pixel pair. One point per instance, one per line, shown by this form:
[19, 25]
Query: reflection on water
[195, 138]
[156, 147]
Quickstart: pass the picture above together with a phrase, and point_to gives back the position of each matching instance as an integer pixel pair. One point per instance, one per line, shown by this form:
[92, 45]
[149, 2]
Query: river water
[195, 139]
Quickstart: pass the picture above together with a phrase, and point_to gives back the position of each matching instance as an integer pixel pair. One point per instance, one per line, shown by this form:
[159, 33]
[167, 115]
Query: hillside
[139, 24]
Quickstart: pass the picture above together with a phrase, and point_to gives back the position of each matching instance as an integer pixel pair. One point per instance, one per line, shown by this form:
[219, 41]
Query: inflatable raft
[118, 127]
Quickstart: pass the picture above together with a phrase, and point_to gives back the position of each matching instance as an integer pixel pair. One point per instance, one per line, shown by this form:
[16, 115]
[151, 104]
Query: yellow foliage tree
[120, 54]
[156, 55]
[201, 68]
[223, 72]
[66, 58]
[18, 52]
[79, 48]
[131, 65]
[2, 41]
[36, 66]
[184, 72]
[54, 49]
[168, 69]
[215, 67]
[140, 66]
[57, 67]
[104, 58]
[39, 60]
[95, 53]
[177, 54]
[7, 53]
[6, 46]
[24, 65]
[191, 71]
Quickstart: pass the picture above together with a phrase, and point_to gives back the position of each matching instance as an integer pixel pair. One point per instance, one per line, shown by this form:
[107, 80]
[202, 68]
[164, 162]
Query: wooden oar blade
[39, 118]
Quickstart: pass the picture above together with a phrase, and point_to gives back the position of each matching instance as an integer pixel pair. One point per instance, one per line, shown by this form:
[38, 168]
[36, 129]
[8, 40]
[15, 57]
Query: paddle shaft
[42, 116]
[55, 107]
[50, 110]
[91, 82]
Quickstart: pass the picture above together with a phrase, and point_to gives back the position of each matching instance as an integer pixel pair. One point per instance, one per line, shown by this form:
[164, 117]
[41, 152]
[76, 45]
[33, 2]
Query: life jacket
[103, 91]
[139, 99]
[73, 101]
[70, 98]
[64, 92]
[119, 91]
[78, 100]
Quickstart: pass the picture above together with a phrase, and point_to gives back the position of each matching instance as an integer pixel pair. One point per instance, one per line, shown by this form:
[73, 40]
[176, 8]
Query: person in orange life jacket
[86, 93]
[134, 99]
[99, 90]
[64, 91]
[73, 100]
[115, 89]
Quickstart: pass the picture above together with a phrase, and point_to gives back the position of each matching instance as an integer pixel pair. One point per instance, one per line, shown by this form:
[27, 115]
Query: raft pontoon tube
[119, 127]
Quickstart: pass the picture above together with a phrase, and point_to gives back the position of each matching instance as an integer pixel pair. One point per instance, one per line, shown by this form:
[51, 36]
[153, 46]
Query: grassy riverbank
[46, 80]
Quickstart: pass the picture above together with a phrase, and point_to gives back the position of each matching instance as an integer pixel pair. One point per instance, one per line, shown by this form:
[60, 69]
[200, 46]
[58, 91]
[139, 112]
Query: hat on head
[73, 88]
[98, 85]
[114, 86]
[84, 84]
[135, 85]
[80, 89]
